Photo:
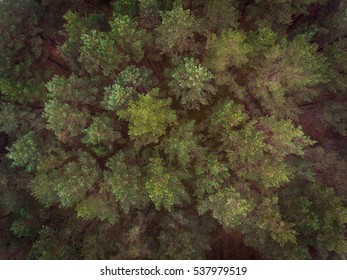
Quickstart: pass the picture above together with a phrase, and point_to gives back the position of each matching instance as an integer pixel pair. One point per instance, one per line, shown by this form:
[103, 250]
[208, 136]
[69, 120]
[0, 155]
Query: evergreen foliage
[192, 84]
[149, 117]
[175, 34]
[147, 129]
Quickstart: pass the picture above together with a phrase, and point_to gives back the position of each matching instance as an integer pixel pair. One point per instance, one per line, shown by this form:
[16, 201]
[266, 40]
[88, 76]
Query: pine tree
[149, 118]
[192, 84]
[175, 34]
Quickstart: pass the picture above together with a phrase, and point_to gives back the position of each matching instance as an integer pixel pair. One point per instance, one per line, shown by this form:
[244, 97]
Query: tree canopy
[147, 129]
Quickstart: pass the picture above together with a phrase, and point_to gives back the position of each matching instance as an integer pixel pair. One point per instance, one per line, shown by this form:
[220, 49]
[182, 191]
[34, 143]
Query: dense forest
[159, 129]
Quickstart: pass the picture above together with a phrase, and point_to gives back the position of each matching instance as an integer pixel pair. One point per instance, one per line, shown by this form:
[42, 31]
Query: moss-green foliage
[319, 217]
[221, 15]
[258, 150]
[227, 116]
[22, 226]
[230, 49]
[96, 207]
[124, 181]
[21, 47]
[78, 178]
[192, 84]
[211, 176]
[267, 229]
[338, 70]
[64, 181]
[102, 130]
[336, 115]
[164, 186]
[129, 83]
[228, 207]
[182, 145]
[245, 147]
[72, 89]
[48, 246]
[74, 27]
[25, 152]
[175, 34]
[118, 97]
[286, 77]
[283, 137]
[107, 52]
[147, 129]
[149, 118]
[138, 78]
[65, 120]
